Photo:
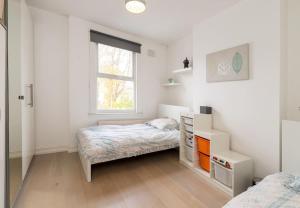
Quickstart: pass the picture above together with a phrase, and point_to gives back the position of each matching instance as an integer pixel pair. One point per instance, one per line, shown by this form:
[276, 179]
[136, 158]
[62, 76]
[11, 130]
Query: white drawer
[189, 141]
[188, 128]
[189, 153]
[188, 121]
[188, 135]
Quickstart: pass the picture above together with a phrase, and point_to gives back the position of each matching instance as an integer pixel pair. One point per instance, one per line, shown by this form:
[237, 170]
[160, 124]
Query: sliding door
[27, 84]
[15, 98]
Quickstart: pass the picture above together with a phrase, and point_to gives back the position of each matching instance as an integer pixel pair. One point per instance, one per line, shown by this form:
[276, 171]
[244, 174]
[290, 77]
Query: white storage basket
[189, 153]
[223, 175]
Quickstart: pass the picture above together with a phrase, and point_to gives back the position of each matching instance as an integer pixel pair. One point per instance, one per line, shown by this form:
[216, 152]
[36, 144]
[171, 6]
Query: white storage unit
[229, 171]
[232, 171]
[187, 138]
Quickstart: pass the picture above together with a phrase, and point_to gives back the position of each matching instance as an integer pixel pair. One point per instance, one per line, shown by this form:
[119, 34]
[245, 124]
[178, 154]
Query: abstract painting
[228, 65]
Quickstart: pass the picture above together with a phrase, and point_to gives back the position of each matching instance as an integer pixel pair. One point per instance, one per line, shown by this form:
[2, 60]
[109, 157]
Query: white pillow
[164, 123]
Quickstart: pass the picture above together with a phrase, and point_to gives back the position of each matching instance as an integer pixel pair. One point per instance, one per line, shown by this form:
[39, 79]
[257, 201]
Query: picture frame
[231, 64]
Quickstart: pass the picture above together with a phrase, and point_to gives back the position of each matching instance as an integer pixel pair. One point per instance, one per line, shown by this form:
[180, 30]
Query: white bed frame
[170, 111]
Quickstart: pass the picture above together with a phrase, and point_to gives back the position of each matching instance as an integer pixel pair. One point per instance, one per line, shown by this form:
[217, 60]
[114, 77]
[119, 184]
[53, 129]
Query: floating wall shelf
[185, 70]
[171, 84]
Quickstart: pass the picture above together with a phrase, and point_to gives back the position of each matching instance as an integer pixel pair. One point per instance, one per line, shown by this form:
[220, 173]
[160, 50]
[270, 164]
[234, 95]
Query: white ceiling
[163, 20]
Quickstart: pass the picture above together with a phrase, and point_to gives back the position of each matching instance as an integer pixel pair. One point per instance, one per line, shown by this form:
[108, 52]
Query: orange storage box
[204, 161]
[203, 145]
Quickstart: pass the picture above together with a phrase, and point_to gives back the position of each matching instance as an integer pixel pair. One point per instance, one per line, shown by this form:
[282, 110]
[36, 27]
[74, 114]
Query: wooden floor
[156, 180]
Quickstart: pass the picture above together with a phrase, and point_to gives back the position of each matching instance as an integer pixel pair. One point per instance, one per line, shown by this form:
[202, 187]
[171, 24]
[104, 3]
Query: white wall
[51, 75]
[249, 110]
[176, 53]
[293, 84]
[62, 78]
[151, 73]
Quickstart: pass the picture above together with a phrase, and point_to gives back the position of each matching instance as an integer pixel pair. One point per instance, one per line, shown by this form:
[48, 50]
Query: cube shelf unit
[199, 143]
[218, 142]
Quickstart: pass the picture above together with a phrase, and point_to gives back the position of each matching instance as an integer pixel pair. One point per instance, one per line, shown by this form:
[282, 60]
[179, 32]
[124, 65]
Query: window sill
[115, 116]
[116, 113]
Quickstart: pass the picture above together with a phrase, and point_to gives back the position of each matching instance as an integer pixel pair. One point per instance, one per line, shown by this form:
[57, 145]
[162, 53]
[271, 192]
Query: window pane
[115, 94]
[115, 61]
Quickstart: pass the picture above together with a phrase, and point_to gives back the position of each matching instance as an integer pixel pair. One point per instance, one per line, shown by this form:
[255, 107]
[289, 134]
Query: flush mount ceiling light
[135, 6]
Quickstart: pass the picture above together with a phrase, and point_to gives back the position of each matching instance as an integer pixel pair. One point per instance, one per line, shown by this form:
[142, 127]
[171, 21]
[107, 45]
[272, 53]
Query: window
[113, 78]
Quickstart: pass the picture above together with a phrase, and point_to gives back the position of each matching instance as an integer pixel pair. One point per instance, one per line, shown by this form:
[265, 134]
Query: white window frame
[94, 74]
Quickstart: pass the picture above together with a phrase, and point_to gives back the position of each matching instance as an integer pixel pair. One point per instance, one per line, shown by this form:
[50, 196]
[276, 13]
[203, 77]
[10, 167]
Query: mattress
[110, 142]
[272, 192]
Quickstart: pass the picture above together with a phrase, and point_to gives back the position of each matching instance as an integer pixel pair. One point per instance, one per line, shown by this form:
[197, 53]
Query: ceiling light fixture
[135, 6]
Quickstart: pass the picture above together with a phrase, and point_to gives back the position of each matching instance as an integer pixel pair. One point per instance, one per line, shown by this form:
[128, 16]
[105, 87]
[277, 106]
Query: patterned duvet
[110, 142]
[272, 192]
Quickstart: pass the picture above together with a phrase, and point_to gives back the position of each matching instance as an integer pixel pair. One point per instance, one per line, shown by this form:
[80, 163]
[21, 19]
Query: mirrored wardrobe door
[14, 92]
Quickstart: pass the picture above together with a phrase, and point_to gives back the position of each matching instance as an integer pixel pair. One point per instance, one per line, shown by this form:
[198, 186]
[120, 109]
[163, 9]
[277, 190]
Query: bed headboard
[291, 147]
[171, 111]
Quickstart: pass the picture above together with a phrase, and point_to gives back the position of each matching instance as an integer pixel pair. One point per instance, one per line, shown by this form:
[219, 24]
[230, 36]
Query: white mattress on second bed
[110, 142]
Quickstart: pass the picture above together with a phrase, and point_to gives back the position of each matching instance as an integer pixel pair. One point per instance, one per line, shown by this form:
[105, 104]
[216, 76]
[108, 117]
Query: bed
[280, 189]
[124, 139]
[272, 192]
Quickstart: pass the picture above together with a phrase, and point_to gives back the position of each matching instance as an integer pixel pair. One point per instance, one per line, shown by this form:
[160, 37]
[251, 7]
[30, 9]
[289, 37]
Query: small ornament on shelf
[171, 80]
[186, 63]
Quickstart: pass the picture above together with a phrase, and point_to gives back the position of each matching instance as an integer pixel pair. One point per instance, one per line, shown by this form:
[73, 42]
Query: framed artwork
[228, 65]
